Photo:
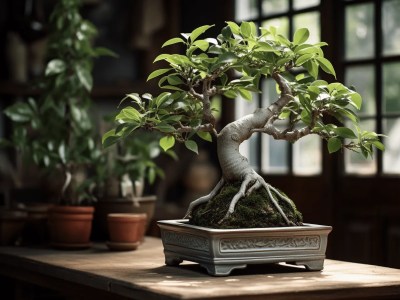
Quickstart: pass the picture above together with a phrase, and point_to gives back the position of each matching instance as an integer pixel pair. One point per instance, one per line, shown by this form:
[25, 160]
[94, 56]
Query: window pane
[300, 4]
[391, 155]
[248, 148]
[269, 92]
[363, 79]
[274, 154]
[359, 31]
[282, 25]
[355, 163]
[270, 7]
[391, 87]
[391, 27]
[311, 21]
[307, 158]
[245, 9]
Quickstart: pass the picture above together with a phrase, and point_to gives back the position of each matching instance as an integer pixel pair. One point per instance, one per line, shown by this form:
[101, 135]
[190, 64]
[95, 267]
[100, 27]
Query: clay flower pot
[126, 231]
[70, 226]
[11, 226]
[107, 206]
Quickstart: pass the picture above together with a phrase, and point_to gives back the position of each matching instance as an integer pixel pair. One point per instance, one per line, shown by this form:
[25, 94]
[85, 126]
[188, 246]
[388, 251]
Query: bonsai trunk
[236, 168]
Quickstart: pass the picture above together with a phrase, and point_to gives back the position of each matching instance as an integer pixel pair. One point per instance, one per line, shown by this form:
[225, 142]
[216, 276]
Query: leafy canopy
[203, 70]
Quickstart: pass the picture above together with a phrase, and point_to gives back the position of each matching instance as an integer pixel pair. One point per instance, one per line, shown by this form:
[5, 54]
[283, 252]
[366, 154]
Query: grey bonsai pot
[222, 250]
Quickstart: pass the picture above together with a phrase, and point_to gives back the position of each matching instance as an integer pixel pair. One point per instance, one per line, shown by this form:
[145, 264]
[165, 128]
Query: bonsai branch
[290, 136]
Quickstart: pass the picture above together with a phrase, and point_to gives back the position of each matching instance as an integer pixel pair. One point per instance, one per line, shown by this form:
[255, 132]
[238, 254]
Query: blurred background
[357, 197]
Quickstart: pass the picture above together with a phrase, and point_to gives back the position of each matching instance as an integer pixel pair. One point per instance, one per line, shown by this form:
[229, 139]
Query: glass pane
[270, 7]
[274, 154]
[355, 163]
[359, 30]
[391, 155]
[307, 156]
[300, 4]
[245, 9]
[391, 27]
[363, 79]
[282, 25]
[391, 87]
[269, 92]
[311, 21]
[248, 148]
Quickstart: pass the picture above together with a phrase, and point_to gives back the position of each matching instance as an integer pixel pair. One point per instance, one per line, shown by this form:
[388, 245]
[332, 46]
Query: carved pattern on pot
[270, 243]
[186, 241]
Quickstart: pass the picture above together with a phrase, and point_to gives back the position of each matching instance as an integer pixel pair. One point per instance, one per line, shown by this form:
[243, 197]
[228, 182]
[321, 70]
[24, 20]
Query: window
[372, 65]
[369, 61]
[268, 155]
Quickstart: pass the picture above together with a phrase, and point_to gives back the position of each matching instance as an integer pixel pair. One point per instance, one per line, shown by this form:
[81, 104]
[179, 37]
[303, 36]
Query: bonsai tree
[55, 130]
[205, 69]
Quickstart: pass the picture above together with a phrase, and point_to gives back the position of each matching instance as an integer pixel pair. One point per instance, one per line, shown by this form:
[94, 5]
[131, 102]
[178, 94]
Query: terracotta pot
[126, 230]
[11, 226]
[35, 231]
[70, 226]
[119, 205]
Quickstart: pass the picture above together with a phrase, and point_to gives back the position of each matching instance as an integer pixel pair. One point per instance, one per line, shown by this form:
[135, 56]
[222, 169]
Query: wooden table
[98, 273]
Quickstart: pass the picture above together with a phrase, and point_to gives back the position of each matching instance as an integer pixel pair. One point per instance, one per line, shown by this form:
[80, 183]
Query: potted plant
[244, 219]
[120, 177]
[55, 131]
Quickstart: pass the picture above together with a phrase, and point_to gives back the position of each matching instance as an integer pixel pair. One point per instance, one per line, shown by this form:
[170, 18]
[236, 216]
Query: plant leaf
[157, 73]
[167, 142]
[300, 36]
[192, 146]
[334, 144]
[172, 42]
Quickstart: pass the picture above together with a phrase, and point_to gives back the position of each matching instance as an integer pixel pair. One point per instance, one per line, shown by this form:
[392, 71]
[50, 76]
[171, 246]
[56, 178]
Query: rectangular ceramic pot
[222, 250]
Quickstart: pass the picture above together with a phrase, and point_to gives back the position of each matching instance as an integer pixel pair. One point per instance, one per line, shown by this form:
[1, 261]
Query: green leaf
[205, 136]
[304, 58]
[227, 57]
[378, 145]
[312, 68]
[166, 128]
[246, 94]
[196, 33]
[19, 112]
[300, 36]
[172, 42]
[101, 51]
[192, 146]
[174, 80]
[157, 73]
[334, 144]
[326, 66]
[201, 44]
[356, 100]
[345, 132]
[234, 27]
[161, 57]
[109, 138]
[129, 114]
[167, 142]
[55, 66]
[245, 29]
[85, 77]
[62, 152]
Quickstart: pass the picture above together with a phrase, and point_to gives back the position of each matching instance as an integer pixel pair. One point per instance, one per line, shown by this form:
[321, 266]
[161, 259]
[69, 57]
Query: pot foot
[172, 260]
[311, 265]
[221, 270]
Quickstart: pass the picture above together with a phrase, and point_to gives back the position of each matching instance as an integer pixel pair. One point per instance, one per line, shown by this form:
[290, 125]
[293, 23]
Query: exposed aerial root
[252, 182]
[204, 199]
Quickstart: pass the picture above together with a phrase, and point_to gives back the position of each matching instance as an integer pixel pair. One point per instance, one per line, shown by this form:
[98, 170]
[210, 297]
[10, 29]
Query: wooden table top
[141, 274]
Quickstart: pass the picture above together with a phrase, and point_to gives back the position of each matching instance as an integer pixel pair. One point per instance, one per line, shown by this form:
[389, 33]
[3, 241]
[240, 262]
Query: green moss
[253, 211]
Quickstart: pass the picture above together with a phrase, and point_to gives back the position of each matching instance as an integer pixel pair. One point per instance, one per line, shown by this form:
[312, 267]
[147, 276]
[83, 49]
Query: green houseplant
[242, 198]
[55, 131]
[121, 175]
